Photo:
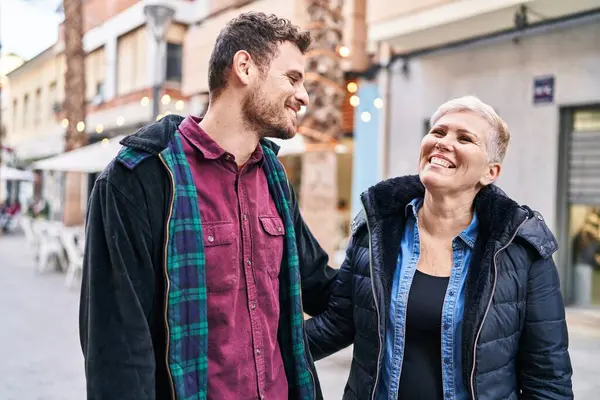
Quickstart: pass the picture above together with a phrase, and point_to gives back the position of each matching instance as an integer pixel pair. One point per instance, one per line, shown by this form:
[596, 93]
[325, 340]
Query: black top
[421, 377]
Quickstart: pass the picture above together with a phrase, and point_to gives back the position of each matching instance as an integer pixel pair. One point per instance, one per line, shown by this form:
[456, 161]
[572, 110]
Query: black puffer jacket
[514, 330]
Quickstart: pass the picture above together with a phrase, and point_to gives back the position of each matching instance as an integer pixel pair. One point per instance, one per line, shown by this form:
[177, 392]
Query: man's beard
[266, 119]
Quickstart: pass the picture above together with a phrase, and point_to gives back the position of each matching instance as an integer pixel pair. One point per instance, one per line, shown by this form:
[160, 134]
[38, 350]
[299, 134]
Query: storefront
[546, 86]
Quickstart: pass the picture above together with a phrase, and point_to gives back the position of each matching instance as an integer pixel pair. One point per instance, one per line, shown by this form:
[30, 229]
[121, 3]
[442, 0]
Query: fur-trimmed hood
[499, 216]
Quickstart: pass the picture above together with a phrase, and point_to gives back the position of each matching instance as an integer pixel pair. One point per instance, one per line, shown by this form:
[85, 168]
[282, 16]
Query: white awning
[91, 158]
[288, 147]
[95, 157]
[13, 174]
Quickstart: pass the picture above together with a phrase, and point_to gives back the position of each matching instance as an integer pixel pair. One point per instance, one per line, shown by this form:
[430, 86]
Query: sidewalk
[40, 357]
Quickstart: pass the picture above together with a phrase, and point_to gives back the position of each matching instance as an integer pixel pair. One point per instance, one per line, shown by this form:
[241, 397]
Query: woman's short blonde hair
[498, 137]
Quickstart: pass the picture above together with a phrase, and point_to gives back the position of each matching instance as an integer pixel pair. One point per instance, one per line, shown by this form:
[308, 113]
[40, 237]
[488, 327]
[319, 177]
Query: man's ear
[243, 67]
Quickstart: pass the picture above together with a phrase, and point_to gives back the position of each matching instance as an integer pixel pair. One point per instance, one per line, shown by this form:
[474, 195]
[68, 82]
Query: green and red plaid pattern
[186, 304]
[291, 320]
[186, 276]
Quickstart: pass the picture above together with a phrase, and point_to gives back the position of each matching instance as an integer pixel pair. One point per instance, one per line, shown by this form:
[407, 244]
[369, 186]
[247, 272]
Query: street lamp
[158, 17]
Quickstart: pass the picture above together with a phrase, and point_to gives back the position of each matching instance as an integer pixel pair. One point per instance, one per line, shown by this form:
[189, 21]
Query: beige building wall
[35, 89]
[380, 10]
[201, 38]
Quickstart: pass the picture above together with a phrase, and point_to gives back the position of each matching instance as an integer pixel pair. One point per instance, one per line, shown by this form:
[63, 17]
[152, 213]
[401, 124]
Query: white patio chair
[50, 247]
[70, 239]
[27, 226]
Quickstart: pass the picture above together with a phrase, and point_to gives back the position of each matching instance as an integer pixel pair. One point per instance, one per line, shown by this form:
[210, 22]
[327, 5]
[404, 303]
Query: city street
[40, 357]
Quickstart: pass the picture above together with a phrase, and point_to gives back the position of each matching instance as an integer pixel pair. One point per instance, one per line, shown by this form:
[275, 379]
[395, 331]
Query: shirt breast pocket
[219, 246]
[273, 242]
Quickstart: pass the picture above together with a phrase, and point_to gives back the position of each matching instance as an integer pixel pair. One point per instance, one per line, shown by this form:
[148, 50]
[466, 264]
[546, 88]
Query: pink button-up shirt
[243, 241]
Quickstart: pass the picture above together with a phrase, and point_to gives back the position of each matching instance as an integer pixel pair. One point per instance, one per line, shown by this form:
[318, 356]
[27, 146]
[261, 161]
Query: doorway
[579, 203]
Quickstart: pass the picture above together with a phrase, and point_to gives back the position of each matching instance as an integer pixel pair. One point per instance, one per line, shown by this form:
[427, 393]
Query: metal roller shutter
[584, 168]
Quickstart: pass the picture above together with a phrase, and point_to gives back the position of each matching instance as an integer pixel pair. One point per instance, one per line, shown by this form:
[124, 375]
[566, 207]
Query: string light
[352, 87]
[65, 123]
[99, 128]
[354, 101]
[166, 99]
[365, 116]
[179, 105]
[378, 103]
[104, 142]
[145, 101]
[80, 126]
[120, 120]
[159, 116]
[344, 51]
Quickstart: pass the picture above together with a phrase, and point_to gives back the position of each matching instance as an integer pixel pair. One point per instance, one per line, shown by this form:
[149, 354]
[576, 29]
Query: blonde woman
[448, 289]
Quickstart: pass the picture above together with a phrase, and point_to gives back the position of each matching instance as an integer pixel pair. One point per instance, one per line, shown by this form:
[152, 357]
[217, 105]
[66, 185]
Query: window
[25, 109]
[51, 98]
[174, 52]
[37, 106]
[100, 89]
[98, 94]
[15, 113]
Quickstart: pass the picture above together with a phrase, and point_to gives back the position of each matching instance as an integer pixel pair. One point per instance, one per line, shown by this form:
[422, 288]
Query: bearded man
[198, 265]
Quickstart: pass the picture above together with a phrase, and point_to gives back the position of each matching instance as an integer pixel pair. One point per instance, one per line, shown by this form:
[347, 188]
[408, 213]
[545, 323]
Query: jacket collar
[468, 235]
[155, 137]
[499, 217]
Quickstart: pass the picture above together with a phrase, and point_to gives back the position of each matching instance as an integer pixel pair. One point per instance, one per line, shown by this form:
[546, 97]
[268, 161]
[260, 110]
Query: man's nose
[302, 96]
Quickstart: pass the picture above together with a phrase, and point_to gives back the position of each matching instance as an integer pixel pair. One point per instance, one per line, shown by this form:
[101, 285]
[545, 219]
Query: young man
[198, 265]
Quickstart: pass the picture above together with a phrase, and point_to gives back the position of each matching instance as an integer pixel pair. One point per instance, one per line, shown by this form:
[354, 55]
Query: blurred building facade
[536, 62]
[119, 67]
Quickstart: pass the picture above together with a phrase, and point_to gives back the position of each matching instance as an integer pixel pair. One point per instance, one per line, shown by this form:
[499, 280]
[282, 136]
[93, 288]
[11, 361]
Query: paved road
[40, 358]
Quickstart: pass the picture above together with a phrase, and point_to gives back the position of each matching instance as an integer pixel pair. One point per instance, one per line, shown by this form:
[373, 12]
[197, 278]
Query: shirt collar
[468, 235]
[201, 141]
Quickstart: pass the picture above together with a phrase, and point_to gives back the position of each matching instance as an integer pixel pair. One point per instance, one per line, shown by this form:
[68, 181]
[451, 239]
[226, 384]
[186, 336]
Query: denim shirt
[452, 311]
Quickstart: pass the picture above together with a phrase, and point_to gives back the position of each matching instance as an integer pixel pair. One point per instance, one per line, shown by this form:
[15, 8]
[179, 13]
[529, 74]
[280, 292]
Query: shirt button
[229, 157]
[211, 238]
[279, 229]
[257, 351]
[451, 293]
[248, 262]
[244, 217]
[253, 306]
[446, 327]
[447, 360]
